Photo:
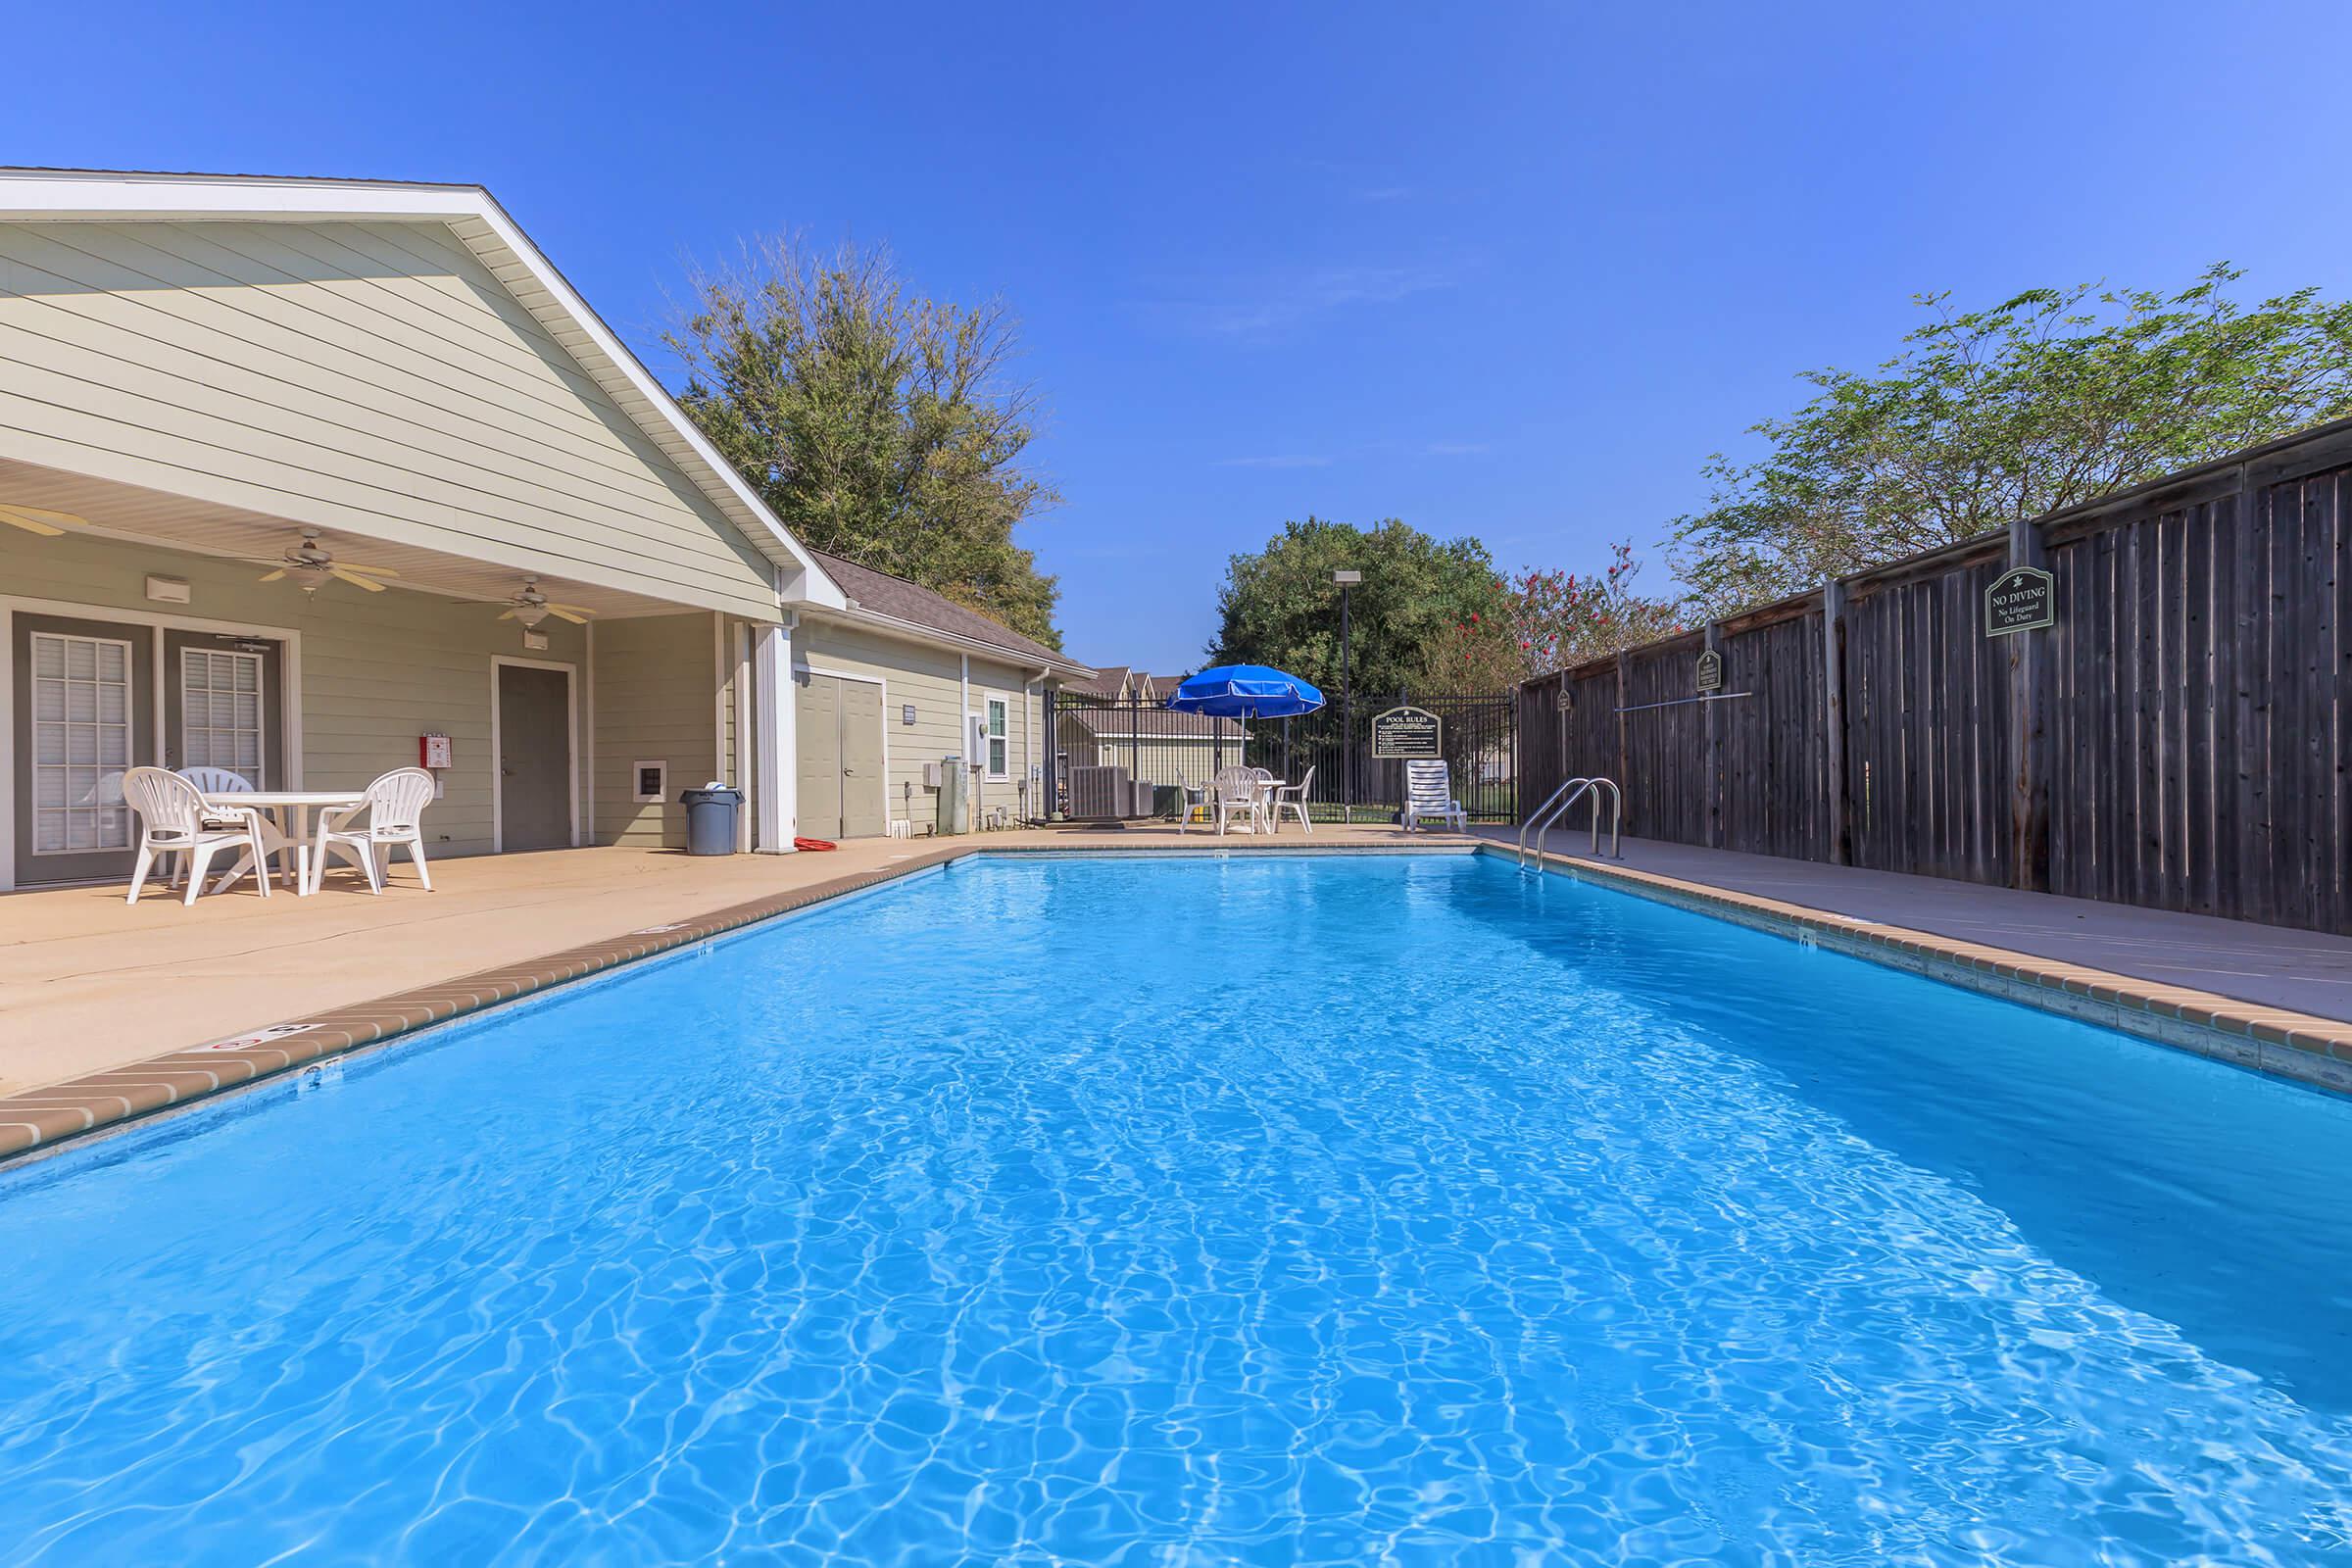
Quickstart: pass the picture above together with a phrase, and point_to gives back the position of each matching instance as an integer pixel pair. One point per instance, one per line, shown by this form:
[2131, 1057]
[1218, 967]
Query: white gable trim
[473, 215]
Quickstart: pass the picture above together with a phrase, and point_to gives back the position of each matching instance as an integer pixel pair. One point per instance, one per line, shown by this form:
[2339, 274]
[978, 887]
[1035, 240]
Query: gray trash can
[711, 819]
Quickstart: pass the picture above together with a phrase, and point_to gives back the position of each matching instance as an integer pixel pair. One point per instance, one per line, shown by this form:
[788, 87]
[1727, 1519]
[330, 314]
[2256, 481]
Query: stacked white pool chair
[1429, 798]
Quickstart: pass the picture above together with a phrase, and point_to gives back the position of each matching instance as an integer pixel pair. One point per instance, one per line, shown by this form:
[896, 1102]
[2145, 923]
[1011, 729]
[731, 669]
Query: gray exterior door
[841, 768]
[83, 711]
[818, 738]
[534, 758]
[863, 812]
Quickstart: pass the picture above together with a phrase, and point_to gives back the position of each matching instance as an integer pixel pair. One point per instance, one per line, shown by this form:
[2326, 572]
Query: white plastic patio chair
[395, 807]
[174, 820]
[1292, 797]
[1429, 798]
[1237, 790]
[1192, 797]
[223, 781]
[218, 780]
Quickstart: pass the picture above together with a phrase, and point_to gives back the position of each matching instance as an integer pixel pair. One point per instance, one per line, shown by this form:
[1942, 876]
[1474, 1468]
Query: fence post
[1711, 710]
[2029, 730]
[1560, 699]
[1625, 778]
[1840, 826]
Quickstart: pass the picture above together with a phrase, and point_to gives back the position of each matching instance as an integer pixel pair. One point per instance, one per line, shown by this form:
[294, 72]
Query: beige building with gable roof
[291, 473]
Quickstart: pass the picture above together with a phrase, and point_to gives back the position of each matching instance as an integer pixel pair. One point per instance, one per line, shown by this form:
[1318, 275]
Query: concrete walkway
[2271, 966]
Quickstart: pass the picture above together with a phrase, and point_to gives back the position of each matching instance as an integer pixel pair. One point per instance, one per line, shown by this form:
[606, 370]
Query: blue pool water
[1206, 1211]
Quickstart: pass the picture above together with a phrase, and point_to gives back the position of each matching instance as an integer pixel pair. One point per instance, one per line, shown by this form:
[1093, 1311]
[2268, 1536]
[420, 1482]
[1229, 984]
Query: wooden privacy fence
[2178, 737]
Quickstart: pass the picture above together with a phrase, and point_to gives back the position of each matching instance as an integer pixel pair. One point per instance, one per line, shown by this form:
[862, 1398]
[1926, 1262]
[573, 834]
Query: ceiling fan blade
[567, 613]
[353, 578]
[31, 526]
[57, 522]
[274, 575]
[509, 616]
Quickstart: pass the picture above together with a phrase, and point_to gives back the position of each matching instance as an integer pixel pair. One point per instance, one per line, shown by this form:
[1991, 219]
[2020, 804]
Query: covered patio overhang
[141, 631]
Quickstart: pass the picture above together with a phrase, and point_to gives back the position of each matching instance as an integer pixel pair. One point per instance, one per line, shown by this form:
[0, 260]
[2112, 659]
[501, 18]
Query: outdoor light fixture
[1346, 578]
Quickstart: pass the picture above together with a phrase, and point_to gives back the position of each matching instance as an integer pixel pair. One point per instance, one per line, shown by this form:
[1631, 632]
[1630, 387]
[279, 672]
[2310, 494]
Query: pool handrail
[1554, 807]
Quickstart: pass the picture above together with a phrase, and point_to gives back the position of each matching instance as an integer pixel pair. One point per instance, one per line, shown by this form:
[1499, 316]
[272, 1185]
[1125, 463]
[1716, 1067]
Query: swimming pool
[1247, 1209]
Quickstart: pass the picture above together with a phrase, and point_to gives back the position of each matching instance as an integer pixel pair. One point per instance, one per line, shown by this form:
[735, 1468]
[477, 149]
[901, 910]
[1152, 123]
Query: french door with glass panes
[82, 699]
[221, 711]
[221, 706]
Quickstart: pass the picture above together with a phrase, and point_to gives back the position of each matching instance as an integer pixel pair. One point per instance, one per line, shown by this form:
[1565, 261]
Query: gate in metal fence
[1102, 746]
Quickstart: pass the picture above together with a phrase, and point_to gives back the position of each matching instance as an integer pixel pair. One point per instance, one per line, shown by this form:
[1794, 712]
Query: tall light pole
[1346, 580]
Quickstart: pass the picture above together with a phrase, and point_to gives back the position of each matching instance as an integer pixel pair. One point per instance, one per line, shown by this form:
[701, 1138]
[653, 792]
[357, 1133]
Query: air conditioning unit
[1102, 792]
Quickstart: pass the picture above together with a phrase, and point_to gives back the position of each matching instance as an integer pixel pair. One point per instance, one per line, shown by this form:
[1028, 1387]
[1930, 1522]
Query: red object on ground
[815, 844]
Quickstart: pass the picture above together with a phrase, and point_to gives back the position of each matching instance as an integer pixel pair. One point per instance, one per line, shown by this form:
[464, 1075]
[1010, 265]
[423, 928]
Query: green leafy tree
[880, 425]
[2055, 397]
[1280, 607]
[1553, 618]
[1565, 618]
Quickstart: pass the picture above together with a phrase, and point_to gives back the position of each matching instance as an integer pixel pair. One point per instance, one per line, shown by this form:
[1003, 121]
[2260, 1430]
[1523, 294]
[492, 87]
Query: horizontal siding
[930, 680]
[377, 670]
[657, 684]
[370, 378]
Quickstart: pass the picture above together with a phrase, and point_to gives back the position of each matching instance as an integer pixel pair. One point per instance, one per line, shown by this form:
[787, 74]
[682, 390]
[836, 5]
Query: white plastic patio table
[292, 809]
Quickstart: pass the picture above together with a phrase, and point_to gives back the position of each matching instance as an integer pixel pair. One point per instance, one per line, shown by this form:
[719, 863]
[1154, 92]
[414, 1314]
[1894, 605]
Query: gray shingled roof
[900, 600]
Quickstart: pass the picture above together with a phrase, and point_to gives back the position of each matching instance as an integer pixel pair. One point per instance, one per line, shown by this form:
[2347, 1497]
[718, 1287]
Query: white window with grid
[221, 712]
[81, 743]
[999, 764]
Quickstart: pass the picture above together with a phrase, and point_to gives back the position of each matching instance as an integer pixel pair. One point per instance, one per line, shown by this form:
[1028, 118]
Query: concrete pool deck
[110, 1013]
[2269, 967]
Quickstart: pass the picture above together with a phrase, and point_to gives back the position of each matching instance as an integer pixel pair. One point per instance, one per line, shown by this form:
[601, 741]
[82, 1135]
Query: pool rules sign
[1406, 733]
[2020, 599]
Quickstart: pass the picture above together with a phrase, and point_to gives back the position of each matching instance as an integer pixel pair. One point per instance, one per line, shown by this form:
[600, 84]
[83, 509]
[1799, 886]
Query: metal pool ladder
[1556, 807]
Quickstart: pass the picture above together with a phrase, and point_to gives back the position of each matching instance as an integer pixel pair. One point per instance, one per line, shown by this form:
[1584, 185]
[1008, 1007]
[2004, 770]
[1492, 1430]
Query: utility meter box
[931, 775]
[954, 796]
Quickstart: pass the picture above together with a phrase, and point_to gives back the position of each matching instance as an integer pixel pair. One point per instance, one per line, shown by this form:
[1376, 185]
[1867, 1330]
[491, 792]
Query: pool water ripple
[1214, 1211]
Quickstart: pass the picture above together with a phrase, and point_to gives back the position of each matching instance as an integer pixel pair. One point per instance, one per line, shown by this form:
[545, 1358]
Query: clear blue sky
[1513, 271]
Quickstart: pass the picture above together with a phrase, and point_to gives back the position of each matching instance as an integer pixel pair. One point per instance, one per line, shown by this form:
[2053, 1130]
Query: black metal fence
[1330, 751]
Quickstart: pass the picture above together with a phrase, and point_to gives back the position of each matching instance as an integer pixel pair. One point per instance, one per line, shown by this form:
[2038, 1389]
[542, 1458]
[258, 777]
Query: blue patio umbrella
[1245, 691]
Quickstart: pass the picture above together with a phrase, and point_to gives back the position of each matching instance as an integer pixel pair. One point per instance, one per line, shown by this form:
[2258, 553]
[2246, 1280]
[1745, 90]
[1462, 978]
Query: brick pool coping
[2292, 1044]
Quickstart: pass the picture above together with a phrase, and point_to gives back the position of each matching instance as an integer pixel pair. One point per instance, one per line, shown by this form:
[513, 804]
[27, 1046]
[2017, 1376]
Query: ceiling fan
[532, 607]
[39, 519]
[311, 564]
